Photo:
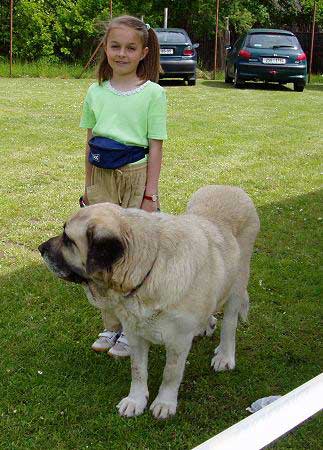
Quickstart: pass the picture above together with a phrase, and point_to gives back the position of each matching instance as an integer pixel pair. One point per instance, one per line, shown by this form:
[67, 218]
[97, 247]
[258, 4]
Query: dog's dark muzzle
[43, 248]
[56, 263]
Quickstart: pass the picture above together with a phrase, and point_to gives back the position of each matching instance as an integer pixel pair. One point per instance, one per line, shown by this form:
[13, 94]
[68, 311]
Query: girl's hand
[85, 199]
[148, 205]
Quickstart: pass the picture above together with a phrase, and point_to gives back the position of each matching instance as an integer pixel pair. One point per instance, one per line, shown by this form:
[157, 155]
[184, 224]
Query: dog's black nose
[42, 248]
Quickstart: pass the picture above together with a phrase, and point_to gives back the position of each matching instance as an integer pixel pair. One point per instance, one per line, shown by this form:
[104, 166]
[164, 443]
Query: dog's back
[225, 204]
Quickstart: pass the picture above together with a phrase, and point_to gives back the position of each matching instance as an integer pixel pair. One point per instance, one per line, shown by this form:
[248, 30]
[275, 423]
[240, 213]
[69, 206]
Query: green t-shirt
[130, 117]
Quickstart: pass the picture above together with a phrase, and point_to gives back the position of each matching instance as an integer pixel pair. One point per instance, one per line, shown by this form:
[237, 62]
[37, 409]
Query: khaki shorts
[124, 186]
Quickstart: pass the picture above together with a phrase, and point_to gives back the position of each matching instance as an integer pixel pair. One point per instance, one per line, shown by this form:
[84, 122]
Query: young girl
[125, 116]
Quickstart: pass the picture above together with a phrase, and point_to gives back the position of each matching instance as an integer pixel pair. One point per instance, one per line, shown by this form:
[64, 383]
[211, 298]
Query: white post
[165, 17]
[272, 421]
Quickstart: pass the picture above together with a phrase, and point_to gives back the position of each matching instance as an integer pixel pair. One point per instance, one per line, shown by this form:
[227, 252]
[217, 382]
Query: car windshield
[173, 37]
[272, 40]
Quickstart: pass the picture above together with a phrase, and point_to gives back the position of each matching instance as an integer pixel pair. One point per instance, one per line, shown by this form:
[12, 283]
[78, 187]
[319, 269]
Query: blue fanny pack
[109, 154]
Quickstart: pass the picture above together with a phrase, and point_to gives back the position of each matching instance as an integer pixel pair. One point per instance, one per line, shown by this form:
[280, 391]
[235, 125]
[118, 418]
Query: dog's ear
[104, 249]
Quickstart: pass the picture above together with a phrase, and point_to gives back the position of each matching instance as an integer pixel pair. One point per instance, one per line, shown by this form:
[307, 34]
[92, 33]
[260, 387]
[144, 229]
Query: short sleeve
[87, 118]
[157, 117]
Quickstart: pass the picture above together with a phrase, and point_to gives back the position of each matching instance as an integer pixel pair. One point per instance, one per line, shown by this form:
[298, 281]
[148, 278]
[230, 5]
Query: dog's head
[92, 242]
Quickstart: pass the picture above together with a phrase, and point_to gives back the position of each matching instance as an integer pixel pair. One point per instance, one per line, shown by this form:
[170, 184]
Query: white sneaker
[106, 340]
[121, 348]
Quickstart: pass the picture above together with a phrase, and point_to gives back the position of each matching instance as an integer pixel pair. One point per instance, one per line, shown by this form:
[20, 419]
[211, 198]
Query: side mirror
[195, 45]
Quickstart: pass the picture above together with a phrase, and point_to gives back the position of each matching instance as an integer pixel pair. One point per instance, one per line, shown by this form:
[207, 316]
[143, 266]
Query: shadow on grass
[248, 85]
[314, 87]
[172, 82]
[47, 328]
[217, 84]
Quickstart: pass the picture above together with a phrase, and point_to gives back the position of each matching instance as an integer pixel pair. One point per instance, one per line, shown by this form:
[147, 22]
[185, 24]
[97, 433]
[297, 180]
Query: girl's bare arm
[153, 172]
[88, 166]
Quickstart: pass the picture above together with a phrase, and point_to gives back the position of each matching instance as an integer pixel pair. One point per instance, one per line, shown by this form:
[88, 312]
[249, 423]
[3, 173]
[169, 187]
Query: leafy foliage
[68, 30]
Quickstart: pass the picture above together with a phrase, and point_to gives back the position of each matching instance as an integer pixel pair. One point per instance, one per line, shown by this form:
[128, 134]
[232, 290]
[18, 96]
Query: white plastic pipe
[271, 422]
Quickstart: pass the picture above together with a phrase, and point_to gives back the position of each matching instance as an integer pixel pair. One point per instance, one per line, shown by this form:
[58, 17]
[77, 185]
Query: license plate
[274, 60]
[166, 51]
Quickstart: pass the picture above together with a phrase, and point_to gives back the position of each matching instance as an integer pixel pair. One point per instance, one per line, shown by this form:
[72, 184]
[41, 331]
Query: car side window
[234, 45]
[237, 44]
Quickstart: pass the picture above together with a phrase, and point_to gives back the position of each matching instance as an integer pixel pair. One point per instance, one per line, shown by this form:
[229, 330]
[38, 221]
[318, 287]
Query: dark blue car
[178, 56]
[266, 55]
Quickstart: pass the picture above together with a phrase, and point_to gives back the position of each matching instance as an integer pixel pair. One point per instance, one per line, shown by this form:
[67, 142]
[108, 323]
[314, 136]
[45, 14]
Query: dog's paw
[221, 361]
[163, 410]
[130, 407]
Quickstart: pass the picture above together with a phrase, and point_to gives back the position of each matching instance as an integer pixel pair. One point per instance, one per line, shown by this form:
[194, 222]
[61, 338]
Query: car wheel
[227, 78]
[298, 87]
[191, 81]
[237, 82]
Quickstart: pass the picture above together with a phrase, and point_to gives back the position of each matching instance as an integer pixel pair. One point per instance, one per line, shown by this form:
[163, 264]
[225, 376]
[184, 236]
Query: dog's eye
[66, 240]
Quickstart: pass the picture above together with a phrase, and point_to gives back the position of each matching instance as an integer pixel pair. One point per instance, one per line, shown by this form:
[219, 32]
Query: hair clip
[147, 26]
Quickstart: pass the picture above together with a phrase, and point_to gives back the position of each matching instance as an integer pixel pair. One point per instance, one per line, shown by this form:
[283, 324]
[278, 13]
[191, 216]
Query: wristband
[152, 198]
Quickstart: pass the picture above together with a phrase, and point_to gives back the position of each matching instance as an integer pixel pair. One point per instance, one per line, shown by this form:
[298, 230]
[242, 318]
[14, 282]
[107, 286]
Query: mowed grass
[55, 393]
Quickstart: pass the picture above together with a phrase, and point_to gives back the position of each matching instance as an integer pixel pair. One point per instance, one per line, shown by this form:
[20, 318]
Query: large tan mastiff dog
[163, 277]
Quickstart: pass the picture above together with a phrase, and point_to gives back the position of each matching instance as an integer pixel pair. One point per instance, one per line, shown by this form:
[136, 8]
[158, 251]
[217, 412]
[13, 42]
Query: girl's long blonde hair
[149, 67]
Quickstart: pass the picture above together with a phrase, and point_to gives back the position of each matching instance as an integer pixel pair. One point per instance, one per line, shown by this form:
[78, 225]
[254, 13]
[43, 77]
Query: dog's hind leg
[224, 354]
[238, 300]
[236, 305]
[211, 325]
[246, 240]
[209, 328]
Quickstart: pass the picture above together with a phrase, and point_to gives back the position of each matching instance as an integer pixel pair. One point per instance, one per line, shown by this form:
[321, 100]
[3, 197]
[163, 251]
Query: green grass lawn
[55, 393]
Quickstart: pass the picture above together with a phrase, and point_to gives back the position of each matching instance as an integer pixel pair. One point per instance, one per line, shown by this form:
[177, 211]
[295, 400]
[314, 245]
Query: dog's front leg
[165, 403]
[136, 402]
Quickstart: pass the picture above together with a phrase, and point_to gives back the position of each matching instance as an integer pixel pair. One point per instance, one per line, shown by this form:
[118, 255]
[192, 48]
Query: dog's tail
[244, 308]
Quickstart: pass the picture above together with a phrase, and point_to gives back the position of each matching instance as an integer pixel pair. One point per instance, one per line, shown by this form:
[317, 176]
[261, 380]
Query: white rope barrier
[271, 422]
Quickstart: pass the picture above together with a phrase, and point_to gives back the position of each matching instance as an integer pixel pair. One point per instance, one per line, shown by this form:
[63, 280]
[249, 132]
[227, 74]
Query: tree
[68, 30]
